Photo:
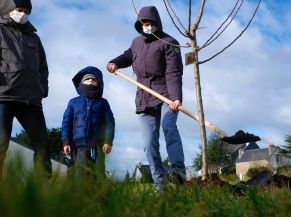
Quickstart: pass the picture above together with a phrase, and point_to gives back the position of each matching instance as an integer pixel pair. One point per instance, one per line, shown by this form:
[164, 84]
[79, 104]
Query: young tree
[190, 32]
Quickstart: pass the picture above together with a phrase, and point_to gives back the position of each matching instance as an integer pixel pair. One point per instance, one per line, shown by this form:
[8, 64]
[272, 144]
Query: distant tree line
[55, 143]
[219, 152]
[285, 150]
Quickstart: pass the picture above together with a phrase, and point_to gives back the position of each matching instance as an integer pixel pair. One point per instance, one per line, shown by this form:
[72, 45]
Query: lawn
[27, 194]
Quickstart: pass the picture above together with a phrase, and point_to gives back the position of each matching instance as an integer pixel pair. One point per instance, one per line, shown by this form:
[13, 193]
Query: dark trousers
[32, 119]
[87, 159]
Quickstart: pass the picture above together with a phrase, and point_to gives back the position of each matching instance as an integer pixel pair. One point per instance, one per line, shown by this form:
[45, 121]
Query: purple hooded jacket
[157, 65]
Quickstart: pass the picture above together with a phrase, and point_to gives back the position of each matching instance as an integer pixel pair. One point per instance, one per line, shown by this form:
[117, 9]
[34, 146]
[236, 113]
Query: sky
[247, 87]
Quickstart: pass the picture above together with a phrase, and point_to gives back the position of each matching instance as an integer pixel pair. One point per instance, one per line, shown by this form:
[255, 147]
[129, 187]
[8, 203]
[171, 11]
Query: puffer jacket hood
[7, 21]
[148, 13]
[89, 70]
[6, 6]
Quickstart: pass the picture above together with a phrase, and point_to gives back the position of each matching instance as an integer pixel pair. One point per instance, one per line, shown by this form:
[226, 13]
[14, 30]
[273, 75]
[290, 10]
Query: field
[28, 194]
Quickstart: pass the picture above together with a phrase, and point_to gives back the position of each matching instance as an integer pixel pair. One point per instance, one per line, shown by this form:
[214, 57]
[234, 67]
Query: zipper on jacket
[87, 119]
[22, 47]
[144, 94]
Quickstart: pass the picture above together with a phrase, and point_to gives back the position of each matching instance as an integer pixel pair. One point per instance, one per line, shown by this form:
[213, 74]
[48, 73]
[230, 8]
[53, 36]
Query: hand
[175, 105]
[106, 148]
[67, 149]
[112, 67]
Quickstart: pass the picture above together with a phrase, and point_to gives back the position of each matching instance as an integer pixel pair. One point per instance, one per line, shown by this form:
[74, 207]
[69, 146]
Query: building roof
[235, 148]
[244, 147]
[251, 145]
[254, 155]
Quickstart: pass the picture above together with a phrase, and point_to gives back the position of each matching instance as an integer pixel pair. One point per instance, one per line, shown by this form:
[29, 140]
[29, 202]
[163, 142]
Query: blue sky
[245, 88]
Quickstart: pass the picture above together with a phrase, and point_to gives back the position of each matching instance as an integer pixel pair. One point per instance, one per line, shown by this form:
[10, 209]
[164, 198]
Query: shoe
[176, 177]
[158, 188]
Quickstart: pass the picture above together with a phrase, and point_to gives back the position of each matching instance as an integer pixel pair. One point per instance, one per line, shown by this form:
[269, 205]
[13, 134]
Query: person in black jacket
[23, 83]
[88, 122]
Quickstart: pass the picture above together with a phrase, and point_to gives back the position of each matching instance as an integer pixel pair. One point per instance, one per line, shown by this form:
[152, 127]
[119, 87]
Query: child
[88, 121]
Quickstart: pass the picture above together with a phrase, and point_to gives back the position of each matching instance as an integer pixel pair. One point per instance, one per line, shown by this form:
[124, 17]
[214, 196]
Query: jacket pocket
[12, 82]
[79, 129]
[3, 83]
[11, 60]
[159, 81]
[155, 63]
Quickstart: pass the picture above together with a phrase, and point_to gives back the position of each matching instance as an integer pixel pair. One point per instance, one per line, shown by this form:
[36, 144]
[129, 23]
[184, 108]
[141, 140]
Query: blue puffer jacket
[88, 121]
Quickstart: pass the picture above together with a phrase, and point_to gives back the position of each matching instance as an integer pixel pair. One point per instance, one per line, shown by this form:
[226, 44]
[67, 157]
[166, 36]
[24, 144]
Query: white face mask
[149, 29]
[18, 17]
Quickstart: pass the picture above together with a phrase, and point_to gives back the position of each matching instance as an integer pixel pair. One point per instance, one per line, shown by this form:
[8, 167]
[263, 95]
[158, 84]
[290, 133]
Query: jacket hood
[89, 70]
[6, 6]
[27, 27]
[148, 13]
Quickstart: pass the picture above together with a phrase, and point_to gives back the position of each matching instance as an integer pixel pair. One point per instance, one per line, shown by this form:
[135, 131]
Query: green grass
[28, 194]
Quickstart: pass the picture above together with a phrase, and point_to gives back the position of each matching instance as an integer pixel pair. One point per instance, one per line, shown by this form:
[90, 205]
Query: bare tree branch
[134, 7]
[175, 45]
[173, 18]
[177, 18]
[231, 43]
[197, 22]
[189, 17]
[209, 41]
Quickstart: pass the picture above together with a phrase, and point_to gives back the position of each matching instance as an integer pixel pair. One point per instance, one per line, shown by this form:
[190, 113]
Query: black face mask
[89, 91]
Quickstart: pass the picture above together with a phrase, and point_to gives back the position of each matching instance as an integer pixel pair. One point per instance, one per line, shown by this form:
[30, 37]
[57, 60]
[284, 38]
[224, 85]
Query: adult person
[156, 60]
[23, 83]
[6, 6]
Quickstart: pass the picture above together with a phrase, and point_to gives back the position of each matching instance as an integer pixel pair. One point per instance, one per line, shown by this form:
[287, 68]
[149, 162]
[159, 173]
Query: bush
[230, 178]
[252, 172]
[284, 170]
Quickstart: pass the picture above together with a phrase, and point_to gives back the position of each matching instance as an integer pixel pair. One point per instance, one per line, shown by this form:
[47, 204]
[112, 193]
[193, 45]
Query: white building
[26, 154]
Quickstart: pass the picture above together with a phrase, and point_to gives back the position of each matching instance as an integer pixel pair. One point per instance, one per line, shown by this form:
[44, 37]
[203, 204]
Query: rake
[209, 125]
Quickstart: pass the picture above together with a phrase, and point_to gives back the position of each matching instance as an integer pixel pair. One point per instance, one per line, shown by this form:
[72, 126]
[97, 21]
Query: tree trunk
[204, 169]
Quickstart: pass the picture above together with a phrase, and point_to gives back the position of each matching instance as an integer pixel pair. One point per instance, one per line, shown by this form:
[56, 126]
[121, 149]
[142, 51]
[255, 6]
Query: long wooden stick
[209, 125]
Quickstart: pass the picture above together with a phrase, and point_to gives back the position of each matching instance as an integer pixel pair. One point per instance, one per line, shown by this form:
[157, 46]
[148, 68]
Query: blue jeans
[151, 120]
[32, 119]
